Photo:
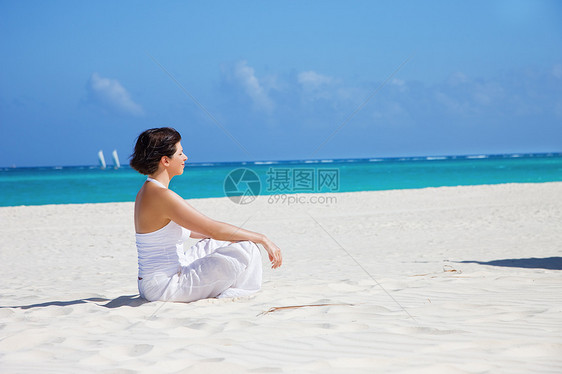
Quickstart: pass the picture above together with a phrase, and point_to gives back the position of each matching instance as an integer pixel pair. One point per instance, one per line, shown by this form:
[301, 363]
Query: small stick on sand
[276, 308]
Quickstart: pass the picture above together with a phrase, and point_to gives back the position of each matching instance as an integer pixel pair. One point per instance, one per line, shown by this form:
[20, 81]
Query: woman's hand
[274, 253]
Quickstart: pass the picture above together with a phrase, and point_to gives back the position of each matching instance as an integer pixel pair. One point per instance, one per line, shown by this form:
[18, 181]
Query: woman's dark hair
[151, 146]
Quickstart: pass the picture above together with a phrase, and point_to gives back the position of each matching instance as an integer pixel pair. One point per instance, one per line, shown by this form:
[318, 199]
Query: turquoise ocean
[91, 184]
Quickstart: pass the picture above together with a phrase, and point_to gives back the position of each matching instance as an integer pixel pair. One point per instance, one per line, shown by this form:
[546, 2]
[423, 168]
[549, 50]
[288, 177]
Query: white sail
[102, 159]
[116, 163]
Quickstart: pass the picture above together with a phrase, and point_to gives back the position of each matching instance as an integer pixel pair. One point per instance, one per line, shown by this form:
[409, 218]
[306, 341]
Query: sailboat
[102, 159]
[116, 163]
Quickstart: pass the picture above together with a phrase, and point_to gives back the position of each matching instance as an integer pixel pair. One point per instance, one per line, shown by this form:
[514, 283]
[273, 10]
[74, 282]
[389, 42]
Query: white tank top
[158, 250]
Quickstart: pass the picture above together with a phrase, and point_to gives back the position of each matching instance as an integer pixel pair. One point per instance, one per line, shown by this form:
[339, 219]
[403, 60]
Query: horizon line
[434, 157]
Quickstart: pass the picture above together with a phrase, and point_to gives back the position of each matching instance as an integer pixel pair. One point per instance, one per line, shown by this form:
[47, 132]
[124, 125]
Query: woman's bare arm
[197, 235]
[182, 213]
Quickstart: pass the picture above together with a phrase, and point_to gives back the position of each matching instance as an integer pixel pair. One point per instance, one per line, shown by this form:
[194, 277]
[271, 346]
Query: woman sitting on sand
[225, 263]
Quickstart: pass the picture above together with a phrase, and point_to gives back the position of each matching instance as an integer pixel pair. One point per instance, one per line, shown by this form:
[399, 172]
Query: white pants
[210, 268]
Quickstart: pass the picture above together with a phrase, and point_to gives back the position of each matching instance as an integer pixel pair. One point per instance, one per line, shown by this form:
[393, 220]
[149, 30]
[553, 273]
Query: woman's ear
[165, 161]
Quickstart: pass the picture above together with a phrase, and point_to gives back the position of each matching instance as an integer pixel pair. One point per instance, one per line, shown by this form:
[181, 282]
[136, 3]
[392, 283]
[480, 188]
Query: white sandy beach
[419, 281]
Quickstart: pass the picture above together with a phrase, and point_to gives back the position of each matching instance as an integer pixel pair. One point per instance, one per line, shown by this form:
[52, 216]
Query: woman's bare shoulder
[165, 198]
[150, 208]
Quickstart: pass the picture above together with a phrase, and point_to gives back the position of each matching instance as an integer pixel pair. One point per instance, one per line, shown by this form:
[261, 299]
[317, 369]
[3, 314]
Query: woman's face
[177, 162]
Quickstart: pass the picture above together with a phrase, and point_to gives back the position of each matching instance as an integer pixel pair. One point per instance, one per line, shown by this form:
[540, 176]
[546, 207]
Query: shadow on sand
[125, 300]
[549, 263]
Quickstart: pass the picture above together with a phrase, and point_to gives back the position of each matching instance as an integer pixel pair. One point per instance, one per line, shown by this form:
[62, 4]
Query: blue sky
[280, 79]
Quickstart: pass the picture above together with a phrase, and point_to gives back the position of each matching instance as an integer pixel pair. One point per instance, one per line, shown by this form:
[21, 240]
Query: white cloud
[112, 95]
[313, 100]
[316, 86]
[254, 89]
[311, 79]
